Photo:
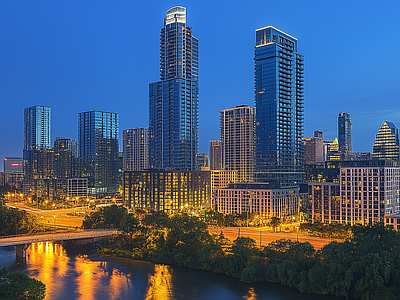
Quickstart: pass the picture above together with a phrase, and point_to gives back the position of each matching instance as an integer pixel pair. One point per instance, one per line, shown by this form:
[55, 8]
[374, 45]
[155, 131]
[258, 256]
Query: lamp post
[297, 227]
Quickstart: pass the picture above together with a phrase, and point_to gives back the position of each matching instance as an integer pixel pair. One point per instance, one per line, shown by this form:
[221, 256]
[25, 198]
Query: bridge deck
[52, 237]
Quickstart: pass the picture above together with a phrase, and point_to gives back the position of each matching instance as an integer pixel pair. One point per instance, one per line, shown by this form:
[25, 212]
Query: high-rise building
[62, 143]
[135, 143]
[237, 141]
[98, 147]
[387, 142]
[215, 155]
[344, 132]
[279, 100]
[314, 148]
[332, 150]
[173, 101]
[37, 127]
[202, 161]
[13, 165]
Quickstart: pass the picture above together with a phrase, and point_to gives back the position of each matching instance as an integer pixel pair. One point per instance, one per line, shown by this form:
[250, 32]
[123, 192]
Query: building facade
[135, 143]
[279, 101]
[37, 126]
[344, 133]
[173, 101]
[314, 148]
[98, 147]
[237, 141]
[323, 202]
[387, 142]
[258, 198]
[215, 155]
[202, 161]
[62, 143]
[13, 165]
[368, 194]
[167, 190]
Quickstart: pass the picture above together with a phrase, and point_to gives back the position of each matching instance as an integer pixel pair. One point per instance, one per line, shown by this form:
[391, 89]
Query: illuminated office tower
[135, 155]
[215, 155]
[173, 101]
[237, 141]
[98, 148]
[344, 133]
[387, 142]
[279, 100]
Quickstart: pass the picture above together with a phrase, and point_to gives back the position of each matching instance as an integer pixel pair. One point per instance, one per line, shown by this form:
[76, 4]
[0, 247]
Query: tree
[18, 285]
[274, 222]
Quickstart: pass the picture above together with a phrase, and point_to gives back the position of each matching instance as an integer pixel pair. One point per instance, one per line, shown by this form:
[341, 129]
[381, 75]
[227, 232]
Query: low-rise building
[167, 190]
[265, 199]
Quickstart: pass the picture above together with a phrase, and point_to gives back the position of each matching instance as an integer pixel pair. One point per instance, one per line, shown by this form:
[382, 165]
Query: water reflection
[160, 285]
[251, 295]
[74, 274]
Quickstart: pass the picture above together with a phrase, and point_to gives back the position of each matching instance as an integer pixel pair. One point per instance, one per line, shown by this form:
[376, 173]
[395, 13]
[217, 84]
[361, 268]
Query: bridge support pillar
[20, 250]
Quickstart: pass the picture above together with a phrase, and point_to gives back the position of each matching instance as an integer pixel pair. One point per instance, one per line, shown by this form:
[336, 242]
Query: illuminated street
[268, 236]
[69, 217]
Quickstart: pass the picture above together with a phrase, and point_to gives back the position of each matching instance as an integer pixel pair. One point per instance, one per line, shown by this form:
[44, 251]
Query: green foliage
[14, 221]
[111, 217]
[18, 285]
[365, 266]
[274, 222]
[324, 230]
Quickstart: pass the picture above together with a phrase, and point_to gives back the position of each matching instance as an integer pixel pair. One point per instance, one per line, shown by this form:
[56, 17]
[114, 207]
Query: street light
[297, 227]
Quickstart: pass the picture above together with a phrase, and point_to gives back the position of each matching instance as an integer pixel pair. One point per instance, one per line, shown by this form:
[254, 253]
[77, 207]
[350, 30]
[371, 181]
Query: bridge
[23, 241]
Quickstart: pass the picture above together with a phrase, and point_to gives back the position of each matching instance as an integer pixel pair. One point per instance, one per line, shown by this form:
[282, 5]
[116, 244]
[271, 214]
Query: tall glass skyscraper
[344, 132]
[98, 147]
[37, 127]
[279, 101]
[387, 142]
[173, 101]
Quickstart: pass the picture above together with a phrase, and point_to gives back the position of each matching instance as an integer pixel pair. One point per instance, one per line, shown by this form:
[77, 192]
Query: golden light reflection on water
[251, 295]
[53, 262]
[160, 284]
[87, 275]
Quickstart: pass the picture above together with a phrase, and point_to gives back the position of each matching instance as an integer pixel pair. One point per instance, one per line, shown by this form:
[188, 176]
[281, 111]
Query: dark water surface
[76, 274]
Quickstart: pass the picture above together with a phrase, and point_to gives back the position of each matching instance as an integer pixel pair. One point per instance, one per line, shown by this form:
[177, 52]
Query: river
[76, 274]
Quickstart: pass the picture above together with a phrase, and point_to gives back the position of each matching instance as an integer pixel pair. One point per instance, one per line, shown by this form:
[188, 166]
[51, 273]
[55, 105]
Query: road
[268, 236]
[58, 217]
[34, 238]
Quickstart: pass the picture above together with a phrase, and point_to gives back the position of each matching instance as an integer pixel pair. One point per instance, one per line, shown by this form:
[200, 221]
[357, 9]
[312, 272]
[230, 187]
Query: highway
[70, 217]
[267, 236]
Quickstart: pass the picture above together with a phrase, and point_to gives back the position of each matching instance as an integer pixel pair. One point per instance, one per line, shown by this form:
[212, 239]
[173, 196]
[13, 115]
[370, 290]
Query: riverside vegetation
[365, 266]
[18, 285]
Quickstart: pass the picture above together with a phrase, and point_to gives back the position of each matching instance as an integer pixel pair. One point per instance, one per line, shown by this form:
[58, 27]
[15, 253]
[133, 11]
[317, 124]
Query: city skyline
[79, 67]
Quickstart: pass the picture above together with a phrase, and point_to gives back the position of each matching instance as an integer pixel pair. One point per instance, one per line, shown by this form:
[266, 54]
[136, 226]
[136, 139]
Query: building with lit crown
[173, 101]
[279, 101]
[387, 142]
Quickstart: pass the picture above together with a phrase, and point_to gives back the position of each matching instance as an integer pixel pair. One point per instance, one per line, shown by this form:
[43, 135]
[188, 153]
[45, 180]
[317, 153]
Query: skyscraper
[314, 148]
[279, 100]
[387, 142]
[344, 133]
[37, 127]
[98, 146]
[215, 155]
[237, 141]
[173, 101]
[135, 143]
[62, 143]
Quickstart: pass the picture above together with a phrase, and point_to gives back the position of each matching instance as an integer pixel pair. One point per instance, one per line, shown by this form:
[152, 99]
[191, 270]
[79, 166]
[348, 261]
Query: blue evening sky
[100, 55]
